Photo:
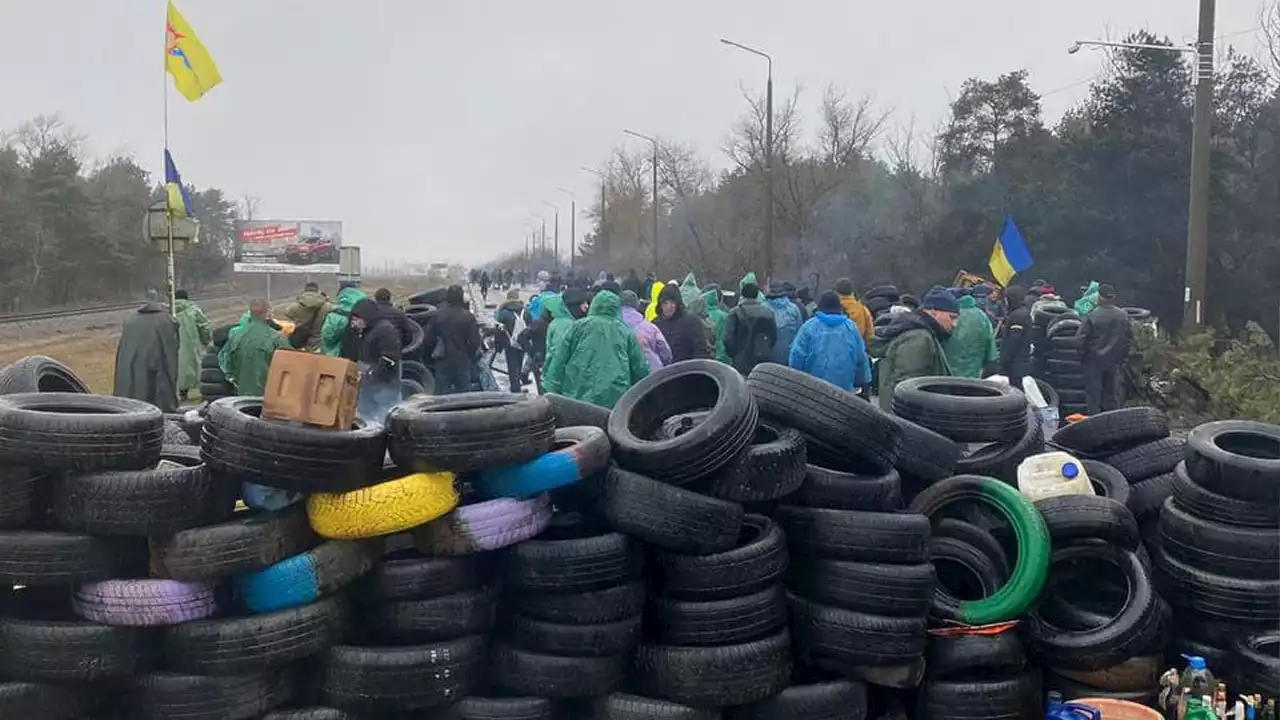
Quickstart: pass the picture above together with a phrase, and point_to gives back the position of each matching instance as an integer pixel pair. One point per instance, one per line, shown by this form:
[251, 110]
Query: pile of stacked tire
[1058, 357]
[418, 378]
[213, 384]
[1217, 552]
[879, 299]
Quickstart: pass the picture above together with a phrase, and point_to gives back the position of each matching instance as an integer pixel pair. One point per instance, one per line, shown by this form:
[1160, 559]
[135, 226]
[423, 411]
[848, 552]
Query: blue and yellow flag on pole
[1010, 255]
[186, 59]
[175, 193]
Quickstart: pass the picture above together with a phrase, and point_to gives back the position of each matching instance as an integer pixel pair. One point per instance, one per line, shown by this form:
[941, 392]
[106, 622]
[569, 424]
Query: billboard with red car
[288, 246]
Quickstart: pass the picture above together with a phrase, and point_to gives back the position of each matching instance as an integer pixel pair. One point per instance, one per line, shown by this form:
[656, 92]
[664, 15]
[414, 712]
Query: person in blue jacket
[787, 317]
[830, 348]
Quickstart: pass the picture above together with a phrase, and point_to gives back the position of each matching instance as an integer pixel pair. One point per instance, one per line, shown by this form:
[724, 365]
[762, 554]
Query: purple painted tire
[144, 603]
[484, 526]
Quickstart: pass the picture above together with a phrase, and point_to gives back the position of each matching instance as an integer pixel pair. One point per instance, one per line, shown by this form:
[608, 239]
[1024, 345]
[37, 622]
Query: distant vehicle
[310, 250]
[438, 271]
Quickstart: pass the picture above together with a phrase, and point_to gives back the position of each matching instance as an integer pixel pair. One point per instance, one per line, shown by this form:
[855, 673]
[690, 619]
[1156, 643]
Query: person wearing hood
[651, 310]
[373, 342]
[972, 345]
[194, 337]
[338, 319]
[829, 347]
[786, 317]
[750, 331]
[510, 317]
[699, 309]
[1015, 335]
[717, 315]
[564, 309]
[308, 313]
[601, 278]
[249, 350]
[600, 358]
[453, 339]
[794, 296]
[915, 343]
[652, 343]
[684, 331]
[855, 310]
[1104, 335]
[147, 356]
[389, 312]
[689, 290]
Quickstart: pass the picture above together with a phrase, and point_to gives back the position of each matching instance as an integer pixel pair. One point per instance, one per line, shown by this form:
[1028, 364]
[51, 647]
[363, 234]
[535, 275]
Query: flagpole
[170, 270]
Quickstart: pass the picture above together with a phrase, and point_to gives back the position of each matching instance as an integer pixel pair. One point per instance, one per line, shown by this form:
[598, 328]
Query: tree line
[71, 228]
[1100, 194]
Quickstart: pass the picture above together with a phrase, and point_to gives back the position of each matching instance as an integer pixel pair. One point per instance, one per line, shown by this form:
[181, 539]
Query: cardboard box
[313, 389]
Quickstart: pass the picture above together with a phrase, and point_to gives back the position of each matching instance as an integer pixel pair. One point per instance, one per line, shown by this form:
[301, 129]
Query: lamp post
[768, 152]
[573, 222]
[600, 238]
[555, 232]
[1193, 293]
[654, 143]
[543, 250]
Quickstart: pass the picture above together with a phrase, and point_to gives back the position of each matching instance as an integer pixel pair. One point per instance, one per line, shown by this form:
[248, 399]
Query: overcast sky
[432, 128]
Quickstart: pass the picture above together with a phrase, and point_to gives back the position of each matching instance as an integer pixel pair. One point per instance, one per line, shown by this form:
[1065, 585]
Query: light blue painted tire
[305, 578]
[580, 451]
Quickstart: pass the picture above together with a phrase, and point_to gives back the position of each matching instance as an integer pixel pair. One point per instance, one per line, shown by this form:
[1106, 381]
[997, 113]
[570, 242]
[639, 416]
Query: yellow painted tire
[382, 509]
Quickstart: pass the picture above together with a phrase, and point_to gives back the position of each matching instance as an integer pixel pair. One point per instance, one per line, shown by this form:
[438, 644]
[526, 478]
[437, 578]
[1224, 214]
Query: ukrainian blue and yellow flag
[186, 59]
[1010, 255]
[175, 193]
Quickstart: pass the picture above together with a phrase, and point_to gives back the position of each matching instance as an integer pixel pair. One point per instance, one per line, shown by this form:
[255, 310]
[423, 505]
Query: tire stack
[1217, 552]
[213, 384]
[1062, 364]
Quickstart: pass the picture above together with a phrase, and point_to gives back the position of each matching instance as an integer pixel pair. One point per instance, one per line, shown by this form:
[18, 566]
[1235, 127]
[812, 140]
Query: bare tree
[42, 134]
[849, 127]
[745, 145]
[249, 205]
[1269, 19]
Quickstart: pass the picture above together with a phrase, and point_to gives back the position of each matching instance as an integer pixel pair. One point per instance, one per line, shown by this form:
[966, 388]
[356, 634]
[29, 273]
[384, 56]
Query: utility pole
[601, 241]
[768, 156]
[654, 143]
[1198, 212]
[573, 222]
[556, 239]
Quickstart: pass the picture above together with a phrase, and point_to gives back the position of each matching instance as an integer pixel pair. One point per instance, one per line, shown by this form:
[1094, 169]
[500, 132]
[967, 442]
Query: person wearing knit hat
[855, 310]
[829, 347]
[654, 345]
[915, 343]
[750, 331]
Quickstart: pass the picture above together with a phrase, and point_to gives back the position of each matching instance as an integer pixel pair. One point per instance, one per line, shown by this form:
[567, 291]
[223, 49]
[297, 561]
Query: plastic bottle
[1197, 711]
[1056, 709]
[1195, 682]
[1052, 474]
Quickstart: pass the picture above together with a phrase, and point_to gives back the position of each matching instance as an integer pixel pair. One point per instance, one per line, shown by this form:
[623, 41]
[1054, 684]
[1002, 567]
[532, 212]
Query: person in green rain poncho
[338, 319]
[717, 315]
[246, 357]
[689, 290]
[599, 358]
[972, 344]
[194, 336]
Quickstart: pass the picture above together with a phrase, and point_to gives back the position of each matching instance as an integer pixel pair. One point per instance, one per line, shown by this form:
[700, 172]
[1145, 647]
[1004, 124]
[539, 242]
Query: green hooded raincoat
[336, 322]
[194, 336]
[717, 316]
[147, 358]
[600, 358]
[972, 345]
[248, 355]
[561, 321]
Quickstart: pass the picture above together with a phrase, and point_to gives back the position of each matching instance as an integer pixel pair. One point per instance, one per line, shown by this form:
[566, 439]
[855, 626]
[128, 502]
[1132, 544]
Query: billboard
[288, 246]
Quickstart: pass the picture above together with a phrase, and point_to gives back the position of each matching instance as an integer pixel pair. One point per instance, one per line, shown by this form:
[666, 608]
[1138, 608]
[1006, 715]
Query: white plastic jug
[1052, 474]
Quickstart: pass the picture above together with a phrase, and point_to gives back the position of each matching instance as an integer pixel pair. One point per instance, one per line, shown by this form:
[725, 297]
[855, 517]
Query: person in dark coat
[453, 339]
[749, 331]
[508, 316]
[683, 330]
[1104, 334]
[375, 345]
[147, 357]
[633, 283]
[1015, 336]
[394, 315]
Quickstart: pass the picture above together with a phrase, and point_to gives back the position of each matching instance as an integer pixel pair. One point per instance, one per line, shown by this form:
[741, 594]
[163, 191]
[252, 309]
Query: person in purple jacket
[656, 350]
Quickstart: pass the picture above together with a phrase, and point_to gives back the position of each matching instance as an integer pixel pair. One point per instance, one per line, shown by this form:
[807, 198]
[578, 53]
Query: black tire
[715, 676]
[247, 645]
[978, 538]
[312, 713]
[717, 622]
[376, 679]
[880, 589]
[675, 389]
[1078, 517]
[39, 558]
[250, 541]
[948, 656]
[771, 466]
[192, 697]
[240, 444]
[833, 700]
[37, 373]
[982, 573]
[1107, 482]
[469, 431]
[155, 501]
[758, 560]
[428, 620]
[413, 348]
[209, 361]
[495, 708]
[1136, 674]
[572, 566]
[415, 371]
[1049, 392]
[1257, 660]
[595, 607]
[621, 706]
[1126, 635]
[17, 496]
[51, 650]
[963, 409]
[572, 640]
[854, 535]
[551, 676]
[823, 488]
[1065, 325]
[409, 388]
[79, 433]
[216, 391]
[1114, 431]
[1147, 497]
[1236, 458]
[1149, 459]
[1065, 367]
[667, 516]
[1012, 698]
[575, 413]
[212, 375]
[1218, 548]
[220, 334]
[1001, 460]
[837, 639]
[1219, 508]
[1069, 381]
[40, 701]
[406, 575]
[927, 455]
[851, 426]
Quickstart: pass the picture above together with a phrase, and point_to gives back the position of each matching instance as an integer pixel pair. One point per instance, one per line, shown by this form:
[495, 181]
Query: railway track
[12, 318]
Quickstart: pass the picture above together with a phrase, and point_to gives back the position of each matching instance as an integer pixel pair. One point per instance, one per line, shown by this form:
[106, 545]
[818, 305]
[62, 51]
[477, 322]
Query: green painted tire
[1034, 549]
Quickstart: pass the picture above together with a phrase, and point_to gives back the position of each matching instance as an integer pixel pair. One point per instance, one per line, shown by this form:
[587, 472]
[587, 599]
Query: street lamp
[556, 232]
[600, 239]
[573, 222]
[543, 251]
[1193, 293]
[654, 143]
[768, 152]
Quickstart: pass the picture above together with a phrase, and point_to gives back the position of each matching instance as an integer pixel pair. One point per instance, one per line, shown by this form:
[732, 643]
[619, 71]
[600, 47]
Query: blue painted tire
[580, 451]
[262, 497]
[305, 578]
